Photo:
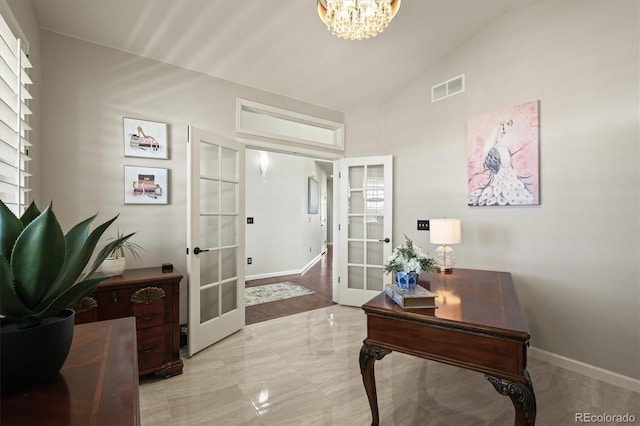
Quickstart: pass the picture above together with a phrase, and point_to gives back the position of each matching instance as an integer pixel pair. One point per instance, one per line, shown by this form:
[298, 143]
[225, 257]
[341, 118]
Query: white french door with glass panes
[215, 238]
[364, 212]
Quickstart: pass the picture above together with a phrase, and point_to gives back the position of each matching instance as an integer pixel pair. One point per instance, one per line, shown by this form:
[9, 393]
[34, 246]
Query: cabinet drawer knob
[115, 298]
[147, 351]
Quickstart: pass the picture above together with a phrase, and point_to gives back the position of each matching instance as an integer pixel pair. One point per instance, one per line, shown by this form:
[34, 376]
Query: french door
[215, 238]
[364, 212]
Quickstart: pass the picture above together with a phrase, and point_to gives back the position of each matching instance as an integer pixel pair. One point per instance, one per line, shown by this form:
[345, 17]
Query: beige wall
[574, 258]
[87, 90]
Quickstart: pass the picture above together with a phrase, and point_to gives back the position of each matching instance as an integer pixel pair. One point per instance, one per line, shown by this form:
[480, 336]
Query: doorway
[288, 234]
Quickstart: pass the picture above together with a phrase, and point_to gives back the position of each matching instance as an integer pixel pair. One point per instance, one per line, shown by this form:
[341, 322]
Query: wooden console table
[478, 325]
[97, 386]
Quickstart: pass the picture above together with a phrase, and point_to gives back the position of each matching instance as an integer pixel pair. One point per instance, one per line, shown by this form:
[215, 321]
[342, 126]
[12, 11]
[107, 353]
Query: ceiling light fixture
[357, 19]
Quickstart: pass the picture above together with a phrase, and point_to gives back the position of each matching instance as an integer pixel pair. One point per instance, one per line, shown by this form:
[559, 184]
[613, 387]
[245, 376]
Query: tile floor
[303, 370]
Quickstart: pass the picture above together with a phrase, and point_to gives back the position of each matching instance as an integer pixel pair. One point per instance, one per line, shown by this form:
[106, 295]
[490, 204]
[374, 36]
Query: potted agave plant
[41, 275]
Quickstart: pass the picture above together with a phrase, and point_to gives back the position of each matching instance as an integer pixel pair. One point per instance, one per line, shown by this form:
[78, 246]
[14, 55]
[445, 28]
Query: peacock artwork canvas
[503, 157]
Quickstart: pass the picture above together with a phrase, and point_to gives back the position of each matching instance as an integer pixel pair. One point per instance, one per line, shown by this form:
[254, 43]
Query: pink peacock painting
[503, 157]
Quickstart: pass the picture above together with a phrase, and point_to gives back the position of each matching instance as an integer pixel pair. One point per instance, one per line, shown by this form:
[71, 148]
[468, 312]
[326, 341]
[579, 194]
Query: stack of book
[419, 298]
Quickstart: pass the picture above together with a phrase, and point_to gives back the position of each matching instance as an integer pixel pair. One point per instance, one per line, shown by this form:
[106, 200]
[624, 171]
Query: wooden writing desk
[478, 325]
[98, 383]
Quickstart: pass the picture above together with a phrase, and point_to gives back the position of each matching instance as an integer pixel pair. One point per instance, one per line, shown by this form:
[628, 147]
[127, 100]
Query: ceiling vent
[448, 88]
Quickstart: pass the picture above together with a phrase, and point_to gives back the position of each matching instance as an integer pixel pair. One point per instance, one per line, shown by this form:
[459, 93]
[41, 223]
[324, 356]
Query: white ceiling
[278, 45]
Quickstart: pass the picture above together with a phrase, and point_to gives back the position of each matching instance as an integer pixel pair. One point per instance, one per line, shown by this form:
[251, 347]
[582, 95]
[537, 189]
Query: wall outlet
[249, 261]
[423, 225]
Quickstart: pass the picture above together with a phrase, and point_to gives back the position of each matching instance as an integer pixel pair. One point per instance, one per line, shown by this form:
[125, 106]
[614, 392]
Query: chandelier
[357, 19]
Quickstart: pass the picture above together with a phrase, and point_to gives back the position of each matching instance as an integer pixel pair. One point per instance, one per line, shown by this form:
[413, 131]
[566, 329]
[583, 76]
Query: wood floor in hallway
[317, 278]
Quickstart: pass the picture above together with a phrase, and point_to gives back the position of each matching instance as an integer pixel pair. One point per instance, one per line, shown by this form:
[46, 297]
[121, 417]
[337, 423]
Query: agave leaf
[38, 256]
[30, 214]
[10, 304]
[10, 228]
[75, 259]
[69, 296]
[104, 252]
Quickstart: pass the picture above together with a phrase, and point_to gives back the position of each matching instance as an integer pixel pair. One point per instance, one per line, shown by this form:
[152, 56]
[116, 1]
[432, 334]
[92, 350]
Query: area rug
[272, 292]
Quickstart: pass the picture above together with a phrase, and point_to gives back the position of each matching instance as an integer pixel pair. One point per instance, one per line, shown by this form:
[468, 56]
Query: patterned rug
[272, 292]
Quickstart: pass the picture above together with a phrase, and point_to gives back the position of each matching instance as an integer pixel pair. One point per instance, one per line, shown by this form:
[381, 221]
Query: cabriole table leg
[522, 397]
[368, 356]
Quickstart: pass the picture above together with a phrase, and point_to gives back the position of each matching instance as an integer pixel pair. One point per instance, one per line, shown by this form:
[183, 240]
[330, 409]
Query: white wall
[575, 257]
[284, 238]
[87, 90]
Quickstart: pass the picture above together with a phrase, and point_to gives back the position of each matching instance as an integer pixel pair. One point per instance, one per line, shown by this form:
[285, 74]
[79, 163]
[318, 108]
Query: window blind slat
[14, 110]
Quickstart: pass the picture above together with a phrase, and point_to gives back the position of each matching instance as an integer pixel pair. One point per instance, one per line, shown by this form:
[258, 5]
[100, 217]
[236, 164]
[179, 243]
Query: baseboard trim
[586, 369]
[272, 274]
[311, 263]
[283, 273]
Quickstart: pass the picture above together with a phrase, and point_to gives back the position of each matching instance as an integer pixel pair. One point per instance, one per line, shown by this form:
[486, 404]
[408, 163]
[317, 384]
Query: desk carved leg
[368, 356]
[522, 397]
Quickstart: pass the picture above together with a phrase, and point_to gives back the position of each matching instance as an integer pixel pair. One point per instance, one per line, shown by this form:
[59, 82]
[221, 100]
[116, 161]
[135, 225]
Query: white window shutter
[14, 127]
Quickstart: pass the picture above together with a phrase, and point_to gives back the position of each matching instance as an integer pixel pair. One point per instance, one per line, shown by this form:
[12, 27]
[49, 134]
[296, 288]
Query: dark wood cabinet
[153, 298]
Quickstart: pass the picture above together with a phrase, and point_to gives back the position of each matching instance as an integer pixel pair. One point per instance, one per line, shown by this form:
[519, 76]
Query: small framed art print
[144, 138]
[145, 185]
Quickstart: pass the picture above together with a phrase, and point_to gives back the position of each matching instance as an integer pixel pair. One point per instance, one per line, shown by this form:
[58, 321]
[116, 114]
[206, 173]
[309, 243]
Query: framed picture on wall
[145, 185]
[503, 162]
[314, 195]
[144, 138]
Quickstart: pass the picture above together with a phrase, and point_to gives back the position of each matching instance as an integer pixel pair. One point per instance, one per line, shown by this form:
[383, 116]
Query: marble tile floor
[303, 370]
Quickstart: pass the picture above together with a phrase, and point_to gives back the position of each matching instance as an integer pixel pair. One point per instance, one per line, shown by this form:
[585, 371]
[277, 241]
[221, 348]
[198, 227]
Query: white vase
[113, 265]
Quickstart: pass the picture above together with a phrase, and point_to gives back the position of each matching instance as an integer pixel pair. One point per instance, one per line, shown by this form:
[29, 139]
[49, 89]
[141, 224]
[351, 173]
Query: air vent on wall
[448, 88]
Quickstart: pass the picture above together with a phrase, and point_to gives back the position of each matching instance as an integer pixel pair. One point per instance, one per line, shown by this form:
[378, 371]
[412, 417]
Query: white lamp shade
[445, 231]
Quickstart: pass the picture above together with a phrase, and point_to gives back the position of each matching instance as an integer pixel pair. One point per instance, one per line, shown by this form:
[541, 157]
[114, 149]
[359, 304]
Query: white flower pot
[113, 265]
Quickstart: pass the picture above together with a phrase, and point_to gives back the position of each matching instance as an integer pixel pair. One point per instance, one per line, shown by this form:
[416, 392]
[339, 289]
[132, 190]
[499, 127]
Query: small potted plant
[116, 263]
[406, 262]
[41, 275]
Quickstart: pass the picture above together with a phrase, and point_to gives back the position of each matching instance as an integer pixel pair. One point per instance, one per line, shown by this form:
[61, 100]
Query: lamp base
[445, 270]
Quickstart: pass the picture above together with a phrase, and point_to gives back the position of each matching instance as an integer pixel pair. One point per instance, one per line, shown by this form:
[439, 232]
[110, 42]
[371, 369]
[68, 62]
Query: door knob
[386, 240]
[198, 250]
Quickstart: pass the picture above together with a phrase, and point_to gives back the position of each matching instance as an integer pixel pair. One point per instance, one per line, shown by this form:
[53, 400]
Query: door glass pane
[229, 296]
[209, 267]
[228, 230]
[374, 195]
[229, 164]
[375, 278]
[356, 252]
[208, 304]
[356, 227]
[356, 202]
[209, 231]
[374, 253]
[209, 160]
[209, 196]
[356, 277]
[229, 197]
[356, 177]
[229, 263]
[374, 227]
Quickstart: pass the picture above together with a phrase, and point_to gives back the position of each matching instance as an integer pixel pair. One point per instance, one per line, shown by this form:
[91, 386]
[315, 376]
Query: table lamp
[445, 231]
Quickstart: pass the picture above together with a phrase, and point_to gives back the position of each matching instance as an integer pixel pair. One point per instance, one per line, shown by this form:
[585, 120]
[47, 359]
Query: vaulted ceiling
[279, 46]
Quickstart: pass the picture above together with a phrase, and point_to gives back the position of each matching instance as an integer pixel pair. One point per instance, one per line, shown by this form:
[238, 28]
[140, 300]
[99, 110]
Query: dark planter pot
[35, 355]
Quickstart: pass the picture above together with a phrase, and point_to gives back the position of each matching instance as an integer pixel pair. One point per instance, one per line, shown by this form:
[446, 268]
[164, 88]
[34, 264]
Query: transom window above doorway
[265, 122]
